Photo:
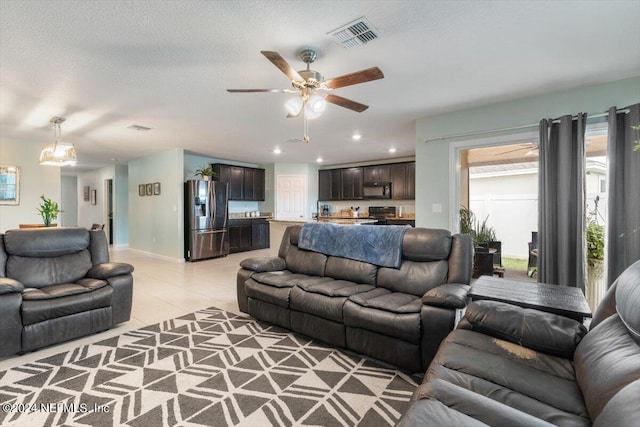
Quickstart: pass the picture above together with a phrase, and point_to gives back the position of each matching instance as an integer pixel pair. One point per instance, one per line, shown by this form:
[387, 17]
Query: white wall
[89, 214]
[69, 201]
[433, 160]
[121, 206]
[34, 181]
[156, 223]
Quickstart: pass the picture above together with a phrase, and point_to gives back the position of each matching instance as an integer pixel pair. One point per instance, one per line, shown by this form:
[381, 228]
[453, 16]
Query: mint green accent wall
[68, 201]
[121, 205]
[433, 159]
[156, 223]
[34, 181]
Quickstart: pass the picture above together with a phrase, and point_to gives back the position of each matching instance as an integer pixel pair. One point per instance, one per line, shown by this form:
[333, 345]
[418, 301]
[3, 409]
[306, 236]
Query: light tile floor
[162, 290]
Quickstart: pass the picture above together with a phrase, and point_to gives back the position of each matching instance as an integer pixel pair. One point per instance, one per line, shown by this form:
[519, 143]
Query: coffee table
[563, 300]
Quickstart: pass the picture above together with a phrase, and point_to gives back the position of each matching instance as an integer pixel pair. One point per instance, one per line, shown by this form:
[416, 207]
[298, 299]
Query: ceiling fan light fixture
[294, 105]
[317, 104]
[58, 153]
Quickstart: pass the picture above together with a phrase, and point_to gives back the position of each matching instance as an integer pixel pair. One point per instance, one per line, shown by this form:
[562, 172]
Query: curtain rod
[485, 132]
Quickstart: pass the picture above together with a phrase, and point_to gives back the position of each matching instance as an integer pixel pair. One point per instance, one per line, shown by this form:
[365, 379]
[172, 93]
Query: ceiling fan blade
[254, 90]
[346, 103]
[373, 73]
[282, 64]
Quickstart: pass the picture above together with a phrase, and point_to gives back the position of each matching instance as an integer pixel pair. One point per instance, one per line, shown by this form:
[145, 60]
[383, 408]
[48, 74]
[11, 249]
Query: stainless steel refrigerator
[206, 207]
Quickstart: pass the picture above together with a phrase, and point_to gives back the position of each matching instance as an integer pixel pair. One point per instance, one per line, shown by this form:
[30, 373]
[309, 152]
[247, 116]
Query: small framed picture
[156, 188]
[86, 193]
[149, 188]
[93, 197]
[141, 190]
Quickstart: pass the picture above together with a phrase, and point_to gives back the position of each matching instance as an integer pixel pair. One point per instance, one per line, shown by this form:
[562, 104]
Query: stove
[381, 213]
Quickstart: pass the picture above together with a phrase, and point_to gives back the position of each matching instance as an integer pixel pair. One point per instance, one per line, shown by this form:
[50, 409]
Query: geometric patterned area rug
[209, 368]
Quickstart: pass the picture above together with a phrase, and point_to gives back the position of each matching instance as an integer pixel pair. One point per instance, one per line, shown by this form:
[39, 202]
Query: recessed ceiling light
[319, 159]
[392, 150]
[356, 137]
[277, 151]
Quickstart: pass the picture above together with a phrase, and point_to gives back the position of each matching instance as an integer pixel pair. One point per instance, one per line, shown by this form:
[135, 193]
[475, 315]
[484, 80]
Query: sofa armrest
[262, 264]
[450, 295]
[545, 332]
[109, 269]
[10, 286]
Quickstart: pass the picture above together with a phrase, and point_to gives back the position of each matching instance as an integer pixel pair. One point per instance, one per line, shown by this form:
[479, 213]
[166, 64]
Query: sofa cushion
[46, 271]
[305, 262]
[278, 279]
[511, 374]
[606, 360]
[59, 291]
[388, 313]
[324, 297]
[63, 302]
[628, 300]
[46, 242]
[351, 270]
[424, 244]
[413, 277]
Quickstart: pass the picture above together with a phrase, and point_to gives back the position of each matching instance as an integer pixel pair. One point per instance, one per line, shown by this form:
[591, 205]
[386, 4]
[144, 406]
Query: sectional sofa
[398, 315]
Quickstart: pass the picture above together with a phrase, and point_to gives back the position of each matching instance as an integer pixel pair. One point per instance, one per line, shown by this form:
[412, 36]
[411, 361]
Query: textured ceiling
[106, 65]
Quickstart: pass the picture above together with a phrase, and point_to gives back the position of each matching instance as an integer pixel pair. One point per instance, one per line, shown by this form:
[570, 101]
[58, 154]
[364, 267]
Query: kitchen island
[278, 226]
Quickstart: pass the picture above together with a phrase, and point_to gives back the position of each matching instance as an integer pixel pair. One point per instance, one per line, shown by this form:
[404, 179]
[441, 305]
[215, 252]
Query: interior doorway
[108, 210]
[291, 197]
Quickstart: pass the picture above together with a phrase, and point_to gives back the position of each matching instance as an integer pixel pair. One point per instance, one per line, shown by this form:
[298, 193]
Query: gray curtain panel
[623, 214]
[561, 199]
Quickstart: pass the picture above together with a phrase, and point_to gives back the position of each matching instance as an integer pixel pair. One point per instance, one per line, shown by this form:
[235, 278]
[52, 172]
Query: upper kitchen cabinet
[352, 182]
[253, 184]
[329, 184]
[244, 183]
[374, 174]
[403, 177]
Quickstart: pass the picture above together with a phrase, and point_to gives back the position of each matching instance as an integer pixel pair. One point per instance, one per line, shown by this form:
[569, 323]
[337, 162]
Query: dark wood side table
[563, 300]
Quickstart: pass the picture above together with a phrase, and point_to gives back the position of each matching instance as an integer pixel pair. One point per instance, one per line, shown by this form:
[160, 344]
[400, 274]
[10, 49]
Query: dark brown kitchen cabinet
[240, 233]
[352, 181]
[259, 233]
[403, 179]
[329, 185]
[244, 183]
[253, 184]
[377, 173]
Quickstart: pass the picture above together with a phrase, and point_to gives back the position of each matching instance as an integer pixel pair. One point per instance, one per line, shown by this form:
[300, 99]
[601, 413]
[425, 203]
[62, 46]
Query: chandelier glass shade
[58, 153]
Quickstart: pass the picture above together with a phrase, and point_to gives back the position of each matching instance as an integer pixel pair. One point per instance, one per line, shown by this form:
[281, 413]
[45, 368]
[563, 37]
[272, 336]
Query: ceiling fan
[532, 149]
[312, 89]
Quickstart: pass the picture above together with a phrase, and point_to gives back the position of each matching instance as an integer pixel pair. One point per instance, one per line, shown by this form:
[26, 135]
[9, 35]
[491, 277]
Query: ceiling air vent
[139, 128]
[355, 33]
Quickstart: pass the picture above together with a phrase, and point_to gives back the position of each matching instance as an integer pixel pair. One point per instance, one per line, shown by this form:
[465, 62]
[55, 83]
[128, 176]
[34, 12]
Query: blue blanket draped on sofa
[379, 245]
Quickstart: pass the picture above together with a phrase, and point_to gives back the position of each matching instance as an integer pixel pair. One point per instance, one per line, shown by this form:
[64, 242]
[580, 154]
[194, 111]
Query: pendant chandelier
[58, 153]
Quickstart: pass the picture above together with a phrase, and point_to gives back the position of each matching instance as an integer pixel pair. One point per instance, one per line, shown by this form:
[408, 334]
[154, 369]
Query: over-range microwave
[377, 190]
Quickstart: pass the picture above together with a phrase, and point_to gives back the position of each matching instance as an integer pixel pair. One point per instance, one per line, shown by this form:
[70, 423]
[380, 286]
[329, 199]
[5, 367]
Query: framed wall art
[86, 193]
[156, 188]
[94, 196]
[149, 188]
[141, 190]
[9, 185]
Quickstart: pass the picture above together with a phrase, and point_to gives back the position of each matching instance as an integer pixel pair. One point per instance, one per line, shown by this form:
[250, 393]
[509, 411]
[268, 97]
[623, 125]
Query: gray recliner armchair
[57, 284]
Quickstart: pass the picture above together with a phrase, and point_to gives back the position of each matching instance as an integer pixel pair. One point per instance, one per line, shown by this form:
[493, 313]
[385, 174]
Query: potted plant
[49, 210]
[205, 172]
[595, 257]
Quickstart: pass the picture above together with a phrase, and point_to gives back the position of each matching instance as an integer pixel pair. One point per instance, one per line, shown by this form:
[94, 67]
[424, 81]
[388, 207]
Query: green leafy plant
[637, 141]
[48, 210]
[481, 232]
[205, 171]
[595, 241]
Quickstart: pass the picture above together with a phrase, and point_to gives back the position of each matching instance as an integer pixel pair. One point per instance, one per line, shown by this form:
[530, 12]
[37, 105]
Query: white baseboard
[157, 256]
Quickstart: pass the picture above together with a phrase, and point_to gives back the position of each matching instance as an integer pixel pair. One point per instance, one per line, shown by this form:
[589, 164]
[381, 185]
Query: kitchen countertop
[250, 217]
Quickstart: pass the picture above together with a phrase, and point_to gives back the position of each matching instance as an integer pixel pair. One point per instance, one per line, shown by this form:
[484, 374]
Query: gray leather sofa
[57, 284]
[507, 366]
[396, 315]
